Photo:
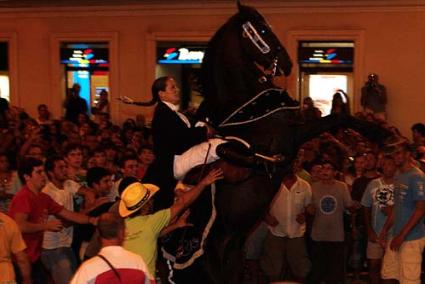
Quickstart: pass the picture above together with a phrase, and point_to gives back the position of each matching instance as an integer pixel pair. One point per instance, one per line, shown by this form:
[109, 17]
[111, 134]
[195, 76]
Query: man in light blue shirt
[403, 257]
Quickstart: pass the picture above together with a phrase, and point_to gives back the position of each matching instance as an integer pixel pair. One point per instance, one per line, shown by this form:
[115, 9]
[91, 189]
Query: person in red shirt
[30, 208]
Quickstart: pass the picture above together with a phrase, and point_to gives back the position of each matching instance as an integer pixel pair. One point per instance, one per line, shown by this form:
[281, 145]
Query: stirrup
[275, 159]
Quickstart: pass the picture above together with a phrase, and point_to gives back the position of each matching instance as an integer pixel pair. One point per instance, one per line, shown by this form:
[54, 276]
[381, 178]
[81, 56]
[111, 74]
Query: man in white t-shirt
[113, 264]
[57, 255]
[285, 247]
[377, 200]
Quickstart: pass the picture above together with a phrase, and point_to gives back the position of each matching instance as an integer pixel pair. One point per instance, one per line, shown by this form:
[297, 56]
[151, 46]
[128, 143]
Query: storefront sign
[334, 56]
[182, 55]
[84, 57]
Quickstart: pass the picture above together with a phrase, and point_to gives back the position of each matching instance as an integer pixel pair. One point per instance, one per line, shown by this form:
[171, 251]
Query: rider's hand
[210, 131]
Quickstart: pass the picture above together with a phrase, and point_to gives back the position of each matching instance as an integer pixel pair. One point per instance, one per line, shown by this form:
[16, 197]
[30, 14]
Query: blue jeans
[60, 263]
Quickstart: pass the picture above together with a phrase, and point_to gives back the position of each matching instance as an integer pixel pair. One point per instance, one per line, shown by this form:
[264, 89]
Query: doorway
[86, 64]
[325, 68]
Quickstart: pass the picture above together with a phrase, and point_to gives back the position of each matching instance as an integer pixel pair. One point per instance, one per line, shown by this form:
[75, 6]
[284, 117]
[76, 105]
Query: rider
[173, 134]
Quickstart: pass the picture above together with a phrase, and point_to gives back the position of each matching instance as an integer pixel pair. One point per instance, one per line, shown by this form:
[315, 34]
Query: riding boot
[237, 154]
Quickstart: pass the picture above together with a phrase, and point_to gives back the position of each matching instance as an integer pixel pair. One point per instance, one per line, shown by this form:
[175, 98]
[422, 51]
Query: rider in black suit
[172, 135]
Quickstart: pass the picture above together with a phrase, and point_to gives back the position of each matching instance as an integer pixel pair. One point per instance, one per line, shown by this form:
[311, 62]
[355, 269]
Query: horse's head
[261, 44]
[240, 62]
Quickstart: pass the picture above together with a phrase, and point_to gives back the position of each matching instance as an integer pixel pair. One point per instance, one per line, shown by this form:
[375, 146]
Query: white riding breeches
[195, 156]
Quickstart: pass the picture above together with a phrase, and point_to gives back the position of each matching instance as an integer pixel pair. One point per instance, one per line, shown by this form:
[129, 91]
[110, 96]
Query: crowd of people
[85, 200]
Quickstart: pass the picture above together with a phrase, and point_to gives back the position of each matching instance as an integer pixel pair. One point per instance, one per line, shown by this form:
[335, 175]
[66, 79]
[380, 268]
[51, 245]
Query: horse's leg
[234, 260]
[239, 208]
[214, 254]
[195, 273]
[224, 258]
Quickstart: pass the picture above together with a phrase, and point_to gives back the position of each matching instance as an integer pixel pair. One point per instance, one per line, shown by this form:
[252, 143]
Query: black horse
[241, 63]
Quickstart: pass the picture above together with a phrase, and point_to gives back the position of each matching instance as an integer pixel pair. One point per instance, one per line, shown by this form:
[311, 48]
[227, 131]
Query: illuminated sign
[182, 55]
[333, 56]
[84, 57]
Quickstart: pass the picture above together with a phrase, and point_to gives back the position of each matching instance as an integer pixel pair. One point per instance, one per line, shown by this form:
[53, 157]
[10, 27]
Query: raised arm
[187, 198]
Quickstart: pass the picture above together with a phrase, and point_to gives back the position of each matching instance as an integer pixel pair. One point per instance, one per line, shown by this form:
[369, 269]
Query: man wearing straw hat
[143, 228]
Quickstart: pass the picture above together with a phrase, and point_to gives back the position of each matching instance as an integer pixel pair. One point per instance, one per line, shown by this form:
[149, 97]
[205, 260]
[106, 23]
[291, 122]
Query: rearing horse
[241, 62]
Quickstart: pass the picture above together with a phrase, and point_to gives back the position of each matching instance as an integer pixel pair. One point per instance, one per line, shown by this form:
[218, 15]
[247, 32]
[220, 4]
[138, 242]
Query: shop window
[325, 68]
[86, 64]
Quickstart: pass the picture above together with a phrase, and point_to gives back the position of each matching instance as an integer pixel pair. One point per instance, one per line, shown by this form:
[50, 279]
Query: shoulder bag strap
[111, 266]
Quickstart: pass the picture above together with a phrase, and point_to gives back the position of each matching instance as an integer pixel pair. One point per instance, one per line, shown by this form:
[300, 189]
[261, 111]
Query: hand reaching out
[212, 176]
[210, 131]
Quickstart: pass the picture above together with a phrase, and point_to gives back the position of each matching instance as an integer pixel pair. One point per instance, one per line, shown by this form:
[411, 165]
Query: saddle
[237, 161]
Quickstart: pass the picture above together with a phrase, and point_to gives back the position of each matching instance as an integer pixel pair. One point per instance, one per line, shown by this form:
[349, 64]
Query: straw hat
[135, 196]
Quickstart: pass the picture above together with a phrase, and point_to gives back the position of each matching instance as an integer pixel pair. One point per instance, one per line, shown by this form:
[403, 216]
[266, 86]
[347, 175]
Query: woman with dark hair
[340, 103]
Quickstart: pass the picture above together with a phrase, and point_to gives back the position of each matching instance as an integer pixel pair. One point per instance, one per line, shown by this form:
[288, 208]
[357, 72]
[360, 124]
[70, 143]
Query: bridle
[251, 32]
[269, 73]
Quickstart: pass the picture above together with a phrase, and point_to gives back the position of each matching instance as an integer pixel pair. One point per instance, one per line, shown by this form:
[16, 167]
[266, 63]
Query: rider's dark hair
[159, 85]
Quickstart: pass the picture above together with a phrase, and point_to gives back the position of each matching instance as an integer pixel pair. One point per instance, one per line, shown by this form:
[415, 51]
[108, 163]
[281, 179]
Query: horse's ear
[238, 3]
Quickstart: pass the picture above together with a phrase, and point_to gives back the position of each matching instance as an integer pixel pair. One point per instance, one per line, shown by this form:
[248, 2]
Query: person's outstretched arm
[189, 197]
